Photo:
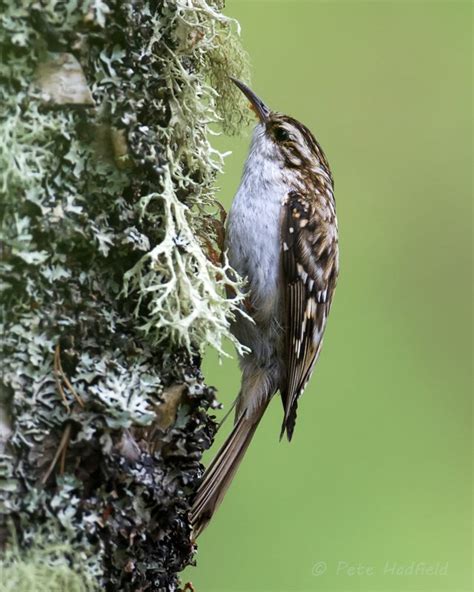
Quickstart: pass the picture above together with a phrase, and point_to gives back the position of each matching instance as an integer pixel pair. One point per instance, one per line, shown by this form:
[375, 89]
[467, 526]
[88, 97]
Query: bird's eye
[281, 135]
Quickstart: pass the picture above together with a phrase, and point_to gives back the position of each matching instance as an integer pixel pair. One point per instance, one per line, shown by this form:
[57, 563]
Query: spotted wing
[310, 268]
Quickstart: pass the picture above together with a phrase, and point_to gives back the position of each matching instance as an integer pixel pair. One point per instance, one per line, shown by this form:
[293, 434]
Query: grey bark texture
[112, 283]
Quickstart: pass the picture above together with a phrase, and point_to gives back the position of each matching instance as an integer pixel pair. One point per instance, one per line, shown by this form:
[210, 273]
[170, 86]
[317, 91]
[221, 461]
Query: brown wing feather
[310, 268]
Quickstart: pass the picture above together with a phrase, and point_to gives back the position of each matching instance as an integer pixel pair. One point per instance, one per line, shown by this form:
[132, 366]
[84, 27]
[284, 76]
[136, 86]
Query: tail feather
[221, 471]
[289, 422]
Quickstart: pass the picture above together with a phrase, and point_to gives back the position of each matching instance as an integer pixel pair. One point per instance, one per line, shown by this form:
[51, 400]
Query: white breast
[253, 227]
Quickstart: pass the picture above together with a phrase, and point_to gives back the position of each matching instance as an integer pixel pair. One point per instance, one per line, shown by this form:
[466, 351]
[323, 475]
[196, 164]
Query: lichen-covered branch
[112, 283]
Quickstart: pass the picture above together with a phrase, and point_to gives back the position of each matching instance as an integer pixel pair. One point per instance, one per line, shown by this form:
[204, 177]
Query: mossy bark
[111, 283]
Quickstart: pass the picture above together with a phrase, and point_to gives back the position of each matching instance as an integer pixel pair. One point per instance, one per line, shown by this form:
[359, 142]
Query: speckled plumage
[282, 236]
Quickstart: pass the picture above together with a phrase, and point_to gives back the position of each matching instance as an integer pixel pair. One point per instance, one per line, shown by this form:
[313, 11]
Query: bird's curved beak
[258, 105]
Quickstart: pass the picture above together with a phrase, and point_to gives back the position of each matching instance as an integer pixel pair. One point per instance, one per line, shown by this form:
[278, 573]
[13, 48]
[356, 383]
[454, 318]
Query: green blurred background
[377, 481]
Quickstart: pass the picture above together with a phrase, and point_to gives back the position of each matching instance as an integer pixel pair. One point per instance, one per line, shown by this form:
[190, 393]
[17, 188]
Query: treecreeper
[282, 236]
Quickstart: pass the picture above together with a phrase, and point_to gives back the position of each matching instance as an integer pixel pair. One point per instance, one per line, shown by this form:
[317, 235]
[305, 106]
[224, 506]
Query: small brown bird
[282, 237]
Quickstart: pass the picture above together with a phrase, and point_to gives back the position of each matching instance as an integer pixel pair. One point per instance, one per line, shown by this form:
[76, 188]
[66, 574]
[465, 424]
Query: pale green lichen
[182, 289]
[110, 264]
[43, 568]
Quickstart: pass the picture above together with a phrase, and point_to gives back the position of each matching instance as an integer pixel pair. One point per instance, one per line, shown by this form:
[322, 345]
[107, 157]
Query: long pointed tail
[221, 471]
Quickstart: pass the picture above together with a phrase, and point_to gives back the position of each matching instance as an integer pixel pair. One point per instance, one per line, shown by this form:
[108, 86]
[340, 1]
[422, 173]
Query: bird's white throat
[253, 236]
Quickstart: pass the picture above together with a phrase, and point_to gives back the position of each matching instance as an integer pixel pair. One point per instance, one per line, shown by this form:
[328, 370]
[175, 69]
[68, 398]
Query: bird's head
[281, 137]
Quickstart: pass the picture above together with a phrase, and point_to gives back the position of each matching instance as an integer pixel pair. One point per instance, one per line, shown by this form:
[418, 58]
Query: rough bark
[111, 283]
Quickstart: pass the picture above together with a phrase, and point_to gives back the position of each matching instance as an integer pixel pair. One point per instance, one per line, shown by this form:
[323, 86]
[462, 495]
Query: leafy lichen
[44, 567]
[111, 283]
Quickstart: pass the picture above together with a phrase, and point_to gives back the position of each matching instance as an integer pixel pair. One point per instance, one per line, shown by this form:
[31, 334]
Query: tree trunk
[111, 283]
